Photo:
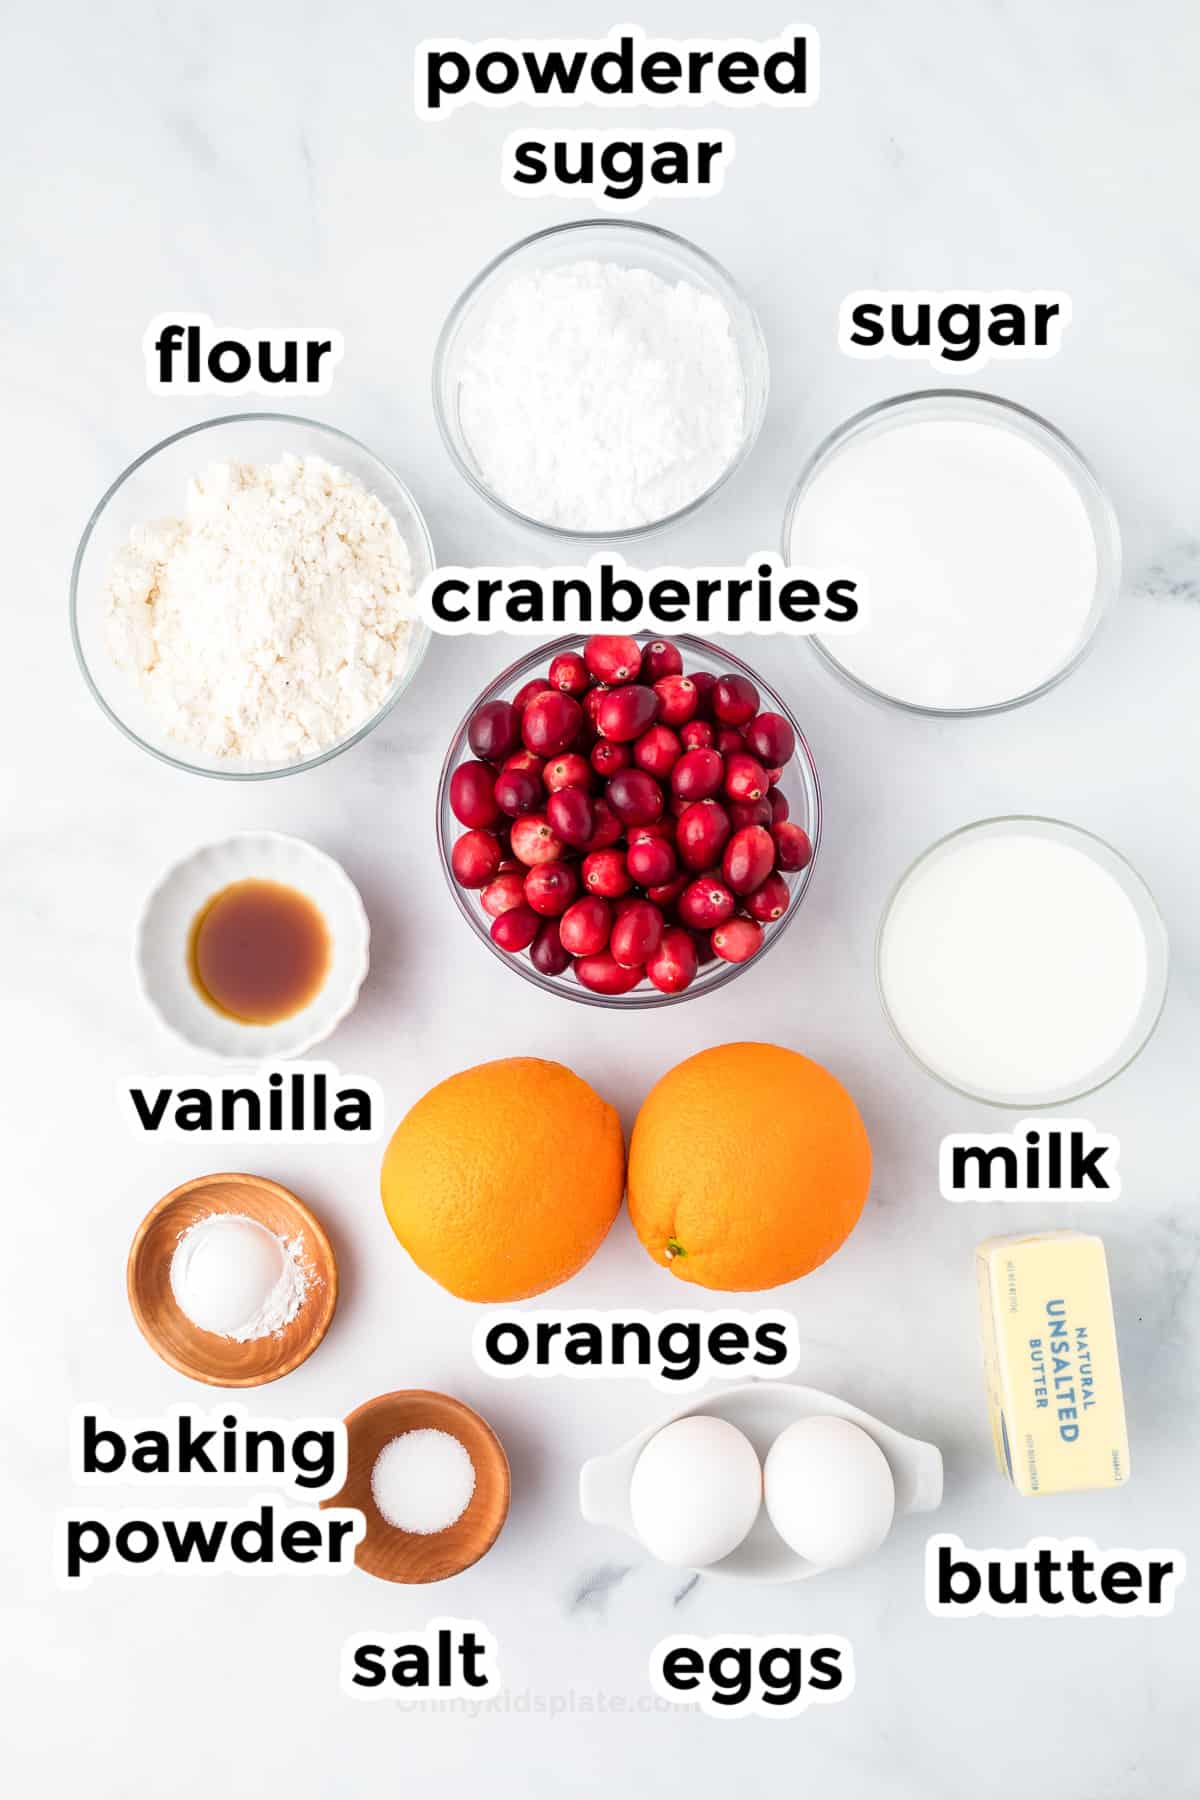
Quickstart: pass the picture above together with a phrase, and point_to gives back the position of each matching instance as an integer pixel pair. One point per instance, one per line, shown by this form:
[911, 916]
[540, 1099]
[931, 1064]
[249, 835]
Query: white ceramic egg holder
[762, 1409]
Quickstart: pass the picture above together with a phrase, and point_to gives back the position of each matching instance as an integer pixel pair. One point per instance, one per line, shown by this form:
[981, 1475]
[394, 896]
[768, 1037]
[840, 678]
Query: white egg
[696, 1491]
[829, 1490]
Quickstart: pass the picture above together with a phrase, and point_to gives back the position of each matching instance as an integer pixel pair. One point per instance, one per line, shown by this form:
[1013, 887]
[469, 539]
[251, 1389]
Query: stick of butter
[1050, 1358]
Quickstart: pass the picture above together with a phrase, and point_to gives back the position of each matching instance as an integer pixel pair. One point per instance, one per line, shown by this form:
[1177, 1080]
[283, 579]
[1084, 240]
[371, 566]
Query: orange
[748, 1166]
[504, 1180]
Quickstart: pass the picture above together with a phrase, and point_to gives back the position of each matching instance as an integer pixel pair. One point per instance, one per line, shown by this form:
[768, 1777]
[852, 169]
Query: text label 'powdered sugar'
[624, 69]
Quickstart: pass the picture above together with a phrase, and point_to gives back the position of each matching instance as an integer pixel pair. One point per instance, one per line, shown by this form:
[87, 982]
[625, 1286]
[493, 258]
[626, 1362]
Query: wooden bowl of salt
[387, 1549]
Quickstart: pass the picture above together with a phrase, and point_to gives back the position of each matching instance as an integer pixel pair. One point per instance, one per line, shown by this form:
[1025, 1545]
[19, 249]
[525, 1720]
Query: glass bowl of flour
[600, 380]
[986, 550]
[243, 600]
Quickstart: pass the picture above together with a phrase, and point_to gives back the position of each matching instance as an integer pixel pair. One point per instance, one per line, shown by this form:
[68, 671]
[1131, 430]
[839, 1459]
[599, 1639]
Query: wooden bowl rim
[453, 1408]
[322, 1314]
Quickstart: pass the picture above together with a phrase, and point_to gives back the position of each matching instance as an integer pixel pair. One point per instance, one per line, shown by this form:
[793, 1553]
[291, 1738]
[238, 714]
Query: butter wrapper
[1051, 1364]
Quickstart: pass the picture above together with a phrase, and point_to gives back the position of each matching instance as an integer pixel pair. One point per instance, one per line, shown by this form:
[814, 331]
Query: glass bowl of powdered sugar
[243, 601]
[599, 380]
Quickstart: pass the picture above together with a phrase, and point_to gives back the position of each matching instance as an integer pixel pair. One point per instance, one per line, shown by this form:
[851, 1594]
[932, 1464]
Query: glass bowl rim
[1101, 513]
[420, 631]
[1138, 883]
[459, 309]
[636, 999]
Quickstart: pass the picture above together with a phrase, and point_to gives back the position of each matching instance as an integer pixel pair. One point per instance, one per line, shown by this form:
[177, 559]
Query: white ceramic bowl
[165, 927]
[762, 1409]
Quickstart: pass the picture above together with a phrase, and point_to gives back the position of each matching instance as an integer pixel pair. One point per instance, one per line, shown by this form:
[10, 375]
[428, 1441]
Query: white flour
[271, 620]
[597, 397]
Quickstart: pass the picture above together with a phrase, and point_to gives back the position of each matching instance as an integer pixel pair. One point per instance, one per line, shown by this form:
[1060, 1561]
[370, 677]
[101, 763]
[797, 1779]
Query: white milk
[976, 552]
[1015, 964]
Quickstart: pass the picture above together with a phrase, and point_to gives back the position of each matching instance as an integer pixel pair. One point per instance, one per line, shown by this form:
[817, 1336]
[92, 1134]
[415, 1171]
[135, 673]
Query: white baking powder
[423, 1481]
[270, 620]
[597, 397]
[233, 1276]
[1014, 964]
[977, 555]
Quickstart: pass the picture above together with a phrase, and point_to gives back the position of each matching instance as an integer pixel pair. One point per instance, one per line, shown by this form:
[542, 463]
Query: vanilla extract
[299, 1102]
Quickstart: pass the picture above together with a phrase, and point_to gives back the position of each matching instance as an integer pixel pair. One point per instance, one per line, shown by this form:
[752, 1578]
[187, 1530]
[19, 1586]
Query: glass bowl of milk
[1022, 961]
[985, 548]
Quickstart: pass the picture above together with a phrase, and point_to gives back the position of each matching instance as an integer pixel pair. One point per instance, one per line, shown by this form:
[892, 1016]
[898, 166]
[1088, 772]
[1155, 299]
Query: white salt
[597, 397]
[423, 1481]
[1015, 965]
[976, 552]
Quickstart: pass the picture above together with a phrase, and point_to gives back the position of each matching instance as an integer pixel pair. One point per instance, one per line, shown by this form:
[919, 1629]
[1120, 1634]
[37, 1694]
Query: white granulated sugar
[597, 397]
[272, 619]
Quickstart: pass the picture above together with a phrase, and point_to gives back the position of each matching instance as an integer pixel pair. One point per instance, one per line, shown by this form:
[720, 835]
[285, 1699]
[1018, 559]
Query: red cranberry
[607, 757]
[653, 828]
[516, 929]
[748, 860]
[745, 779]
[793, 847]
[770, 901]
[706, 902]
[603, 974]
[550, 723]
[657, 751]
[546, 953]
[608, 827]
[698, 734]
[771, 739]
[591, 706]
[702, 833]
[774, 776]
[494, 731]
[676, 699]
[779, 806]
[697, 775]
[626, 712]
[473, 795]
[749, 812]
[517, 792]
[673, 965]
[584, 927]
[734, 700]
[636, 934]
[651, 862]
[635, 797]
[737, 940]
[660, 659]
[605, 872]
[475, 858]
[729, 740]
[665, 896]
[568, 673]
[524, 759]
[704, 683]
[503, 893]
[613, 659]
[705, 953]
[529, 692]
[571, 813]
[567, 771]
[551, 887]
[533, 841]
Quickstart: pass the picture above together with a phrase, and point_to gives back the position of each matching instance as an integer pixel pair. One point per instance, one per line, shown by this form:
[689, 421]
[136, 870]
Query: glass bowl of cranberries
[629, 821]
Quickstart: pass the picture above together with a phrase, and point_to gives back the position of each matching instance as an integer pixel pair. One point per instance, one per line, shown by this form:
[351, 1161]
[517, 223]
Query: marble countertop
[271, 171]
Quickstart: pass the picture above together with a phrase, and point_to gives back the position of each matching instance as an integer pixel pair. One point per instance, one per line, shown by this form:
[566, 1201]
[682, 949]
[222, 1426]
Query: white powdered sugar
[269, 621]
[597, 397]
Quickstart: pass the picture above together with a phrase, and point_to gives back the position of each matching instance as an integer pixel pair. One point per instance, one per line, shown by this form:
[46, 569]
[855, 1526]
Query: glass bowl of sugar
[243, 600]
[600, 380]
[986, 549]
